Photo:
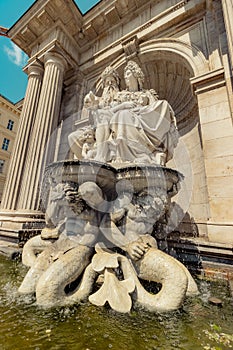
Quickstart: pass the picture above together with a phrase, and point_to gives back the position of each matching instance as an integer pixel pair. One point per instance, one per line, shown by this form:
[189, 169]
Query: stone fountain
[102, 208]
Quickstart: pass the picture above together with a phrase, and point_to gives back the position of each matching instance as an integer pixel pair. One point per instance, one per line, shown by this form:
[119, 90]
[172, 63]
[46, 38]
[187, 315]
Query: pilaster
[227, 6]
[217, 139]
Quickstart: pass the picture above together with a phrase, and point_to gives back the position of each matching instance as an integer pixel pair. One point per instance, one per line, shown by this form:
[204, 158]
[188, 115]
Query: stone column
[12, 186]
[46, 119]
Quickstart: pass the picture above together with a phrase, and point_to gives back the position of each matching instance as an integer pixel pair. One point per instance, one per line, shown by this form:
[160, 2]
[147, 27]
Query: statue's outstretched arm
[133, 245]
[123, 105]
[112, 233]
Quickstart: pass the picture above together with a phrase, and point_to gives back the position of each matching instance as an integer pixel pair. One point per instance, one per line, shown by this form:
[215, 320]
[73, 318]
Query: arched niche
[168, 65]
[168, 70]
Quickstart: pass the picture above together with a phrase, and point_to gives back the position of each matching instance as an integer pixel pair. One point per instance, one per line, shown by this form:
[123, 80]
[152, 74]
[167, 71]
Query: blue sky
[13, 81]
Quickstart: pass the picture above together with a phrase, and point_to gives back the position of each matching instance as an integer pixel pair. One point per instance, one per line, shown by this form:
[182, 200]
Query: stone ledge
[208, 81]
[10, 250]
[217, 271]
[199, 255]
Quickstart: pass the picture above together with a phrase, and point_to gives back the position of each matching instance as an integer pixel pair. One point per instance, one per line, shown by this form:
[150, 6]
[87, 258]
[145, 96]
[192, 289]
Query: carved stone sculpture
[132, 125]
[105, 206]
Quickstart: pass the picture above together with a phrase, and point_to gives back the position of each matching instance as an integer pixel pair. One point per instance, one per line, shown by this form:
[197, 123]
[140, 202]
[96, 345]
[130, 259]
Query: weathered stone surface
[185, 51]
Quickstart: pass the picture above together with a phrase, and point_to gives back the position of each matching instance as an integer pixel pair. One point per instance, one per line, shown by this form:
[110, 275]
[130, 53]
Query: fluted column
[16, 168]
[46, 118]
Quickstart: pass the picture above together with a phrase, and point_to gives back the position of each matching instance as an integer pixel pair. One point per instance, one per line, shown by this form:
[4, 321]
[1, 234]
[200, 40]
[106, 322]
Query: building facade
[185, 48]
[9, 120]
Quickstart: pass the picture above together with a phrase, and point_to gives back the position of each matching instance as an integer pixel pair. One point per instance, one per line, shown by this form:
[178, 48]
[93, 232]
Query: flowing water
[198, 325]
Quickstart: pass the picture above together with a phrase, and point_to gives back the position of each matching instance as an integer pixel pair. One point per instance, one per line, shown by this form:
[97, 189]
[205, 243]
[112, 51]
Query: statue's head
[110, 77]
[136, 71]
[89, 135]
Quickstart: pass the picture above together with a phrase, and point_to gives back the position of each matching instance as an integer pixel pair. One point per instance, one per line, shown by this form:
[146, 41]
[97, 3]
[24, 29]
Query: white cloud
[16, 55]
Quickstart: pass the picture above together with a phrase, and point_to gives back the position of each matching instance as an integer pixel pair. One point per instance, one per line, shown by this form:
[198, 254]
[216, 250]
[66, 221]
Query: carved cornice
[208, 81]
[39, 25]
[161, 24]
[5, 104]
[59, 41]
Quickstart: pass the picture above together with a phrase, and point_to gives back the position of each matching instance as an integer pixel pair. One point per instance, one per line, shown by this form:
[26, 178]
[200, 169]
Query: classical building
[9, 120]
[185, 48]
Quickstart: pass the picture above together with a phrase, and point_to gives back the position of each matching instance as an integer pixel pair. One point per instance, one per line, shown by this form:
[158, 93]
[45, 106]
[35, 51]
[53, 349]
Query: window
[5, 144]
[10, 124]
[1, 165]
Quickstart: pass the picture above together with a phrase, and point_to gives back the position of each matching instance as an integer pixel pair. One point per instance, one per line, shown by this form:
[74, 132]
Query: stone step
[18, 237]
[195, 253]
[10, 250]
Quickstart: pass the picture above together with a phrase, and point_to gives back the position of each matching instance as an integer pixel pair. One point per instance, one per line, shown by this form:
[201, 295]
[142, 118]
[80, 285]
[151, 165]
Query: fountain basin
[24, 325]
[107, 176]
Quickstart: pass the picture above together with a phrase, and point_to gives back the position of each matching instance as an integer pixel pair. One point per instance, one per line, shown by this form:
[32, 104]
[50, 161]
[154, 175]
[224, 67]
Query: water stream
[198, 325]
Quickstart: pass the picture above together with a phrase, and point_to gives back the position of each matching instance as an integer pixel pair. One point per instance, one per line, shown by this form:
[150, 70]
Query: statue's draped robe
[138, 134]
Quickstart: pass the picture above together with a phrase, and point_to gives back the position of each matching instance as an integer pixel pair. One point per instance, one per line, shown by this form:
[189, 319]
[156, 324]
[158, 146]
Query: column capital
[34, 68]
[54, 57]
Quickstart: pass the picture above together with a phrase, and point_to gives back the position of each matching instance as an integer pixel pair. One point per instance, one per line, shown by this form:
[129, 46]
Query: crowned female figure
[143, 127]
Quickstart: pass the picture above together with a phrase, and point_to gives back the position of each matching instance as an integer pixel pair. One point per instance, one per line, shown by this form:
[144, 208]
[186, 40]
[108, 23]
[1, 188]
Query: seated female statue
[132, 125]
[143, 127]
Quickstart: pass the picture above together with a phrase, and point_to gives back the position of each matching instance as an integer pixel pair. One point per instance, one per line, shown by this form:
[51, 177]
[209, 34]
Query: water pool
[198, 325]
